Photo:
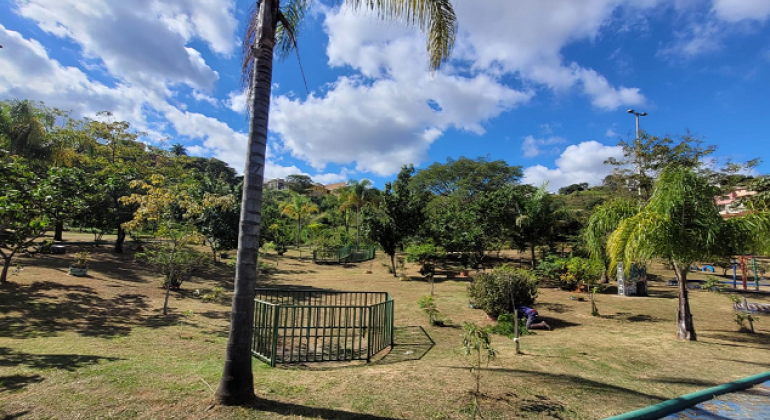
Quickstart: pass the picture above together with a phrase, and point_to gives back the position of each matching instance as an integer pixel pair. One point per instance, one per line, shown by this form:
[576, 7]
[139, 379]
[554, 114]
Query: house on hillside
[332, 188]
[317, 190]
[731, 204]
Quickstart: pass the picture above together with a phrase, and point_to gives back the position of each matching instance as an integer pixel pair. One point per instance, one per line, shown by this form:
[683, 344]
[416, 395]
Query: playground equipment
[312, 325]
[744, 271]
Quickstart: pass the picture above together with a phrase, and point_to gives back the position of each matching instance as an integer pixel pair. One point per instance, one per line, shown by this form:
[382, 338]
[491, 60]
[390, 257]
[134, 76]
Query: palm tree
[299, 207]
[271, 23]
[681, 224]
[359, 194]
[177, 149]
[24, 129]
[603, 221]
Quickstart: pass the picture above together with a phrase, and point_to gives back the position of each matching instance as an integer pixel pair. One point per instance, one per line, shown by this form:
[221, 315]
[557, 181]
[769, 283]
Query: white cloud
[533, 147]
[737, 10]
[143, 42]
[236, 101]
[610, 133]
[583, 162]
[202, 97]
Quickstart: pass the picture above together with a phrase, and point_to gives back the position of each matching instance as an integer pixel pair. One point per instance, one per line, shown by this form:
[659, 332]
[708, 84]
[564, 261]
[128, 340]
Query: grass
[99, 347]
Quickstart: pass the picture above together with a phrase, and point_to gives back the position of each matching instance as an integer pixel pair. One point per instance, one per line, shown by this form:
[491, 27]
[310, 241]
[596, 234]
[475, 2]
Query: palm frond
[435, 18]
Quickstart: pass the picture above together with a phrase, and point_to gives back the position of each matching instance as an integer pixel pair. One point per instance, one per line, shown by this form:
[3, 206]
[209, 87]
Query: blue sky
[541, 84]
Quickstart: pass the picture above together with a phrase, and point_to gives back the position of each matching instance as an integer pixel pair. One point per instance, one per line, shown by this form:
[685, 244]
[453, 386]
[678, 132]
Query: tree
[22, 209]
[25, 128]
[398, 216]
[359, 194]
[539, 220]
[299, 207]
[299, 183]
[67, 185]
[466, 177]
[604, 220]
[644, 158]
[573, 188]
[177, 149]
[436, 17]
[681, 224]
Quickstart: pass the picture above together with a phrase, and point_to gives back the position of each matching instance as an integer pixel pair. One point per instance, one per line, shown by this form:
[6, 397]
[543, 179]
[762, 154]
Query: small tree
[477, 346]
[171, 211]
[298, 207]
[426, 255]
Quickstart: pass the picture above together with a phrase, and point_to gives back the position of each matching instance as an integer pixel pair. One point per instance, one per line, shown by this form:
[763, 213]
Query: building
[317, 190]
[731, 204]
[275, 184]
[332, 188]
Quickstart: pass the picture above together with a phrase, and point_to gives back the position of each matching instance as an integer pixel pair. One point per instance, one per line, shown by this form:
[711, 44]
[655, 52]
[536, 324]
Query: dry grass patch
[98, 347]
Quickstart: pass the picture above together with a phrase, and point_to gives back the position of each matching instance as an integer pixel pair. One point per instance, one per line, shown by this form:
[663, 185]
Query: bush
[552, 267]
[580, 271]
[492, 290]
[505, 326]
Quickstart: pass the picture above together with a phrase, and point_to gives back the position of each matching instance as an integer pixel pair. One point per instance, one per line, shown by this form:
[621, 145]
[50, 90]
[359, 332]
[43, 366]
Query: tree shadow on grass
[410, 343]
[16, 382]
[18, 415]
[296, 410]
[628, 317]
[68, 362]
[559, 381]
[47, 308]
[742, 339]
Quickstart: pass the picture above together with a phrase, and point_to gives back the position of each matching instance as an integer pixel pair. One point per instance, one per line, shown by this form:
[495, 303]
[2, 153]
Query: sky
[541, 84]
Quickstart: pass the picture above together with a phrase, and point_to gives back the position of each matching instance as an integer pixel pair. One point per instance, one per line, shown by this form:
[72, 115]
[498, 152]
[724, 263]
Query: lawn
[99, 347]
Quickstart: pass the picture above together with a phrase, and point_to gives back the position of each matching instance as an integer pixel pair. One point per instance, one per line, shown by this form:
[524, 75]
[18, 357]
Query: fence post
[274, 351]
[369, 337]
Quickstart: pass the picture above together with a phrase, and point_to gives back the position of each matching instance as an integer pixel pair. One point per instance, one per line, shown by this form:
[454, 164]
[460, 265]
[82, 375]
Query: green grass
[98, 347]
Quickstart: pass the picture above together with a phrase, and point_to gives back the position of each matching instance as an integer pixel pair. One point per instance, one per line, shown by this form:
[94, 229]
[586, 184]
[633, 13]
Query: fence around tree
[344, 255]
[292, 326]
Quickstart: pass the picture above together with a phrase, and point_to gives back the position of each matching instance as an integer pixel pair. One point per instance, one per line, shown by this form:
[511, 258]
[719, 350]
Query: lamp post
[637, 114]
[638, 137]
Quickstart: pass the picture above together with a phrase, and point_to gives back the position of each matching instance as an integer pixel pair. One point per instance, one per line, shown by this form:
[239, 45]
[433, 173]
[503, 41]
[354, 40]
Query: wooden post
[515, 325]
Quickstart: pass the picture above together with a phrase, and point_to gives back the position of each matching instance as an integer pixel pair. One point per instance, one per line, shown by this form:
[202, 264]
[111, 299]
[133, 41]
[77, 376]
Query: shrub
[552, 267]
[492, 290]
[580, 271]
[505, 326]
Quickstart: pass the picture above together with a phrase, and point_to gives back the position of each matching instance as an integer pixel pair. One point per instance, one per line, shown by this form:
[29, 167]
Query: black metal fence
[345, 255]
[293, 326]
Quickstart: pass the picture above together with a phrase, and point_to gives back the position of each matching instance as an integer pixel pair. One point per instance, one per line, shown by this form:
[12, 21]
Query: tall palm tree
[681, 224]
[299, 207]
[270, 23]
[603, 221]
[359, 194]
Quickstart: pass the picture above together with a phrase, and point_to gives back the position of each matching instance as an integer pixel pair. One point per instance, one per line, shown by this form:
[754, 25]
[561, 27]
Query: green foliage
[182, 261]
[81, 259]
[506, 326]
[741, 318]
[580, 271]
[477, 347]
[552, 267]
[493, 290]
[428, 305]
[425, 254]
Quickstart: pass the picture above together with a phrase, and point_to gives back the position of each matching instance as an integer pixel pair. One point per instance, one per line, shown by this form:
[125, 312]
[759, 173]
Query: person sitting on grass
[533, 319]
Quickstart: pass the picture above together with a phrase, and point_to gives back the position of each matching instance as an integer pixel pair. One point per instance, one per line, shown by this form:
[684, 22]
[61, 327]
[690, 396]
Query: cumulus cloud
[583, 162]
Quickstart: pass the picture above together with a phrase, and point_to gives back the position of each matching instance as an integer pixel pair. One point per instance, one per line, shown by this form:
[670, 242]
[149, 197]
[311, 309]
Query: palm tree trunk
[237, 384]
[685, 327]
[393, 264]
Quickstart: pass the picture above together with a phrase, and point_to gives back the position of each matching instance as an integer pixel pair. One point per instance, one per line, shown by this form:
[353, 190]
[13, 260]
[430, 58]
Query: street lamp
[637, 114]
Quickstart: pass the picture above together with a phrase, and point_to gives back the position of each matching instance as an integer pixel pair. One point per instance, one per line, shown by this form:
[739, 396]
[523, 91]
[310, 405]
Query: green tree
[539, 221]
[299, 183]
[66, 184]
[604, 220]
[435, 17]
[298, 207]
[177, 149]
[359, 194]
[25, 130]
[22, 209]
[466, 177]
[681, 224]
[398, 216]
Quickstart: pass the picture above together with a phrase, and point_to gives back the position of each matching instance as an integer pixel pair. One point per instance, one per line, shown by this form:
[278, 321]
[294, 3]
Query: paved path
[749, 404]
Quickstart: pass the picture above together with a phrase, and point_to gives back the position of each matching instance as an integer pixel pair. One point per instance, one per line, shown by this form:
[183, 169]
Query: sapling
[478, 349]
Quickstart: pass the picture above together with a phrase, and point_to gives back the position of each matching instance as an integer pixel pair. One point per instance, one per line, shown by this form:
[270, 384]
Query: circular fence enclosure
[311, 325]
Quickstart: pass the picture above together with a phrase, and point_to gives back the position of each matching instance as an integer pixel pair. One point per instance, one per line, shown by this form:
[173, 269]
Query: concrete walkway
[750, 404]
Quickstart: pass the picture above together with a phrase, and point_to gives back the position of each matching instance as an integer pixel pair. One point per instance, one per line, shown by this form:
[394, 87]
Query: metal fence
[293, 326]
[348, 254]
